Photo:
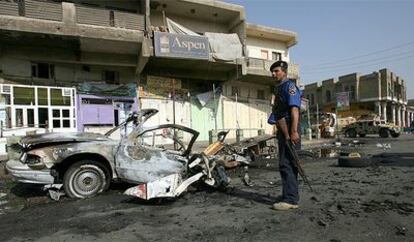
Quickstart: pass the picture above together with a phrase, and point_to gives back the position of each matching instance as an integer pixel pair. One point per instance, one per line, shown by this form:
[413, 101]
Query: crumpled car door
[138, 160]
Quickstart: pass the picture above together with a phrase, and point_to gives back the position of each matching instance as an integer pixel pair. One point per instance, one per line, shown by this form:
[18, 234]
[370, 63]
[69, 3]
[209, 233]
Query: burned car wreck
[153, 159]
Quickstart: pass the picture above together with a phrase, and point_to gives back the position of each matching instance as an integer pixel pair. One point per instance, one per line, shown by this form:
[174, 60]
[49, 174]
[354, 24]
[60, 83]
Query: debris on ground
[400, 230]
[384, 146]
[246, 177]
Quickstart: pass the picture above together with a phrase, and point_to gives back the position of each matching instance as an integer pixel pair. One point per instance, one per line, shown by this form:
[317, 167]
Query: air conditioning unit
[66, 92]
[5, 89]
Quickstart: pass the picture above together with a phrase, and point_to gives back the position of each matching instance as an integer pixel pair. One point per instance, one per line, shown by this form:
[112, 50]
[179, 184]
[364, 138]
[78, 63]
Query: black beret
[279, 63]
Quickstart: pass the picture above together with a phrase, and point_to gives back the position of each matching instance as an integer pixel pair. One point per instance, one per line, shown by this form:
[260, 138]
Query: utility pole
[215, 107]
[173, 96]
[318, 132]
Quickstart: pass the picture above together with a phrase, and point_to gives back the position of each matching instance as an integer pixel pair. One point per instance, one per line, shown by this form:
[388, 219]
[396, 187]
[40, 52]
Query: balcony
[71, 20]
[260, 67]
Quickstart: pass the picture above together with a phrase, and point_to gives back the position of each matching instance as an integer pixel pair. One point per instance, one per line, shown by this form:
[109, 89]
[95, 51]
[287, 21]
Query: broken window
[111, 77]
[43, 70]
[276, 56]
[166, 139]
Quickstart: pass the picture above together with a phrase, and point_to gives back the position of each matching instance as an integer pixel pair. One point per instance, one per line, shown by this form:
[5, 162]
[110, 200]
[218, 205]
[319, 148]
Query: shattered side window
[170, 138]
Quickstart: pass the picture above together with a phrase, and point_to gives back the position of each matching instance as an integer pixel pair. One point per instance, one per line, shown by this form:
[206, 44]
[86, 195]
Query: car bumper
[22, 173]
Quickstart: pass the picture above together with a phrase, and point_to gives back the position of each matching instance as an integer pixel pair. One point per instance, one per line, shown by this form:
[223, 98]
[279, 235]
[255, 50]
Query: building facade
[381, 93]
[48, 48]
[198, 62]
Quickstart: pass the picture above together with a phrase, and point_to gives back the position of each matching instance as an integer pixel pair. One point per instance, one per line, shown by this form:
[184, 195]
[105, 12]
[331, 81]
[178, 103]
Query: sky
[342, 37]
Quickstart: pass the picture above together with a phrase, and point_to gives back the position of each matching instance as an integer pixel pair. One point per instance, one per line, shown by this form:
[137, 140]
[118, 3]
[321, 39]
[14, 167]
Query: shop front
[40, 109]
[102, 106]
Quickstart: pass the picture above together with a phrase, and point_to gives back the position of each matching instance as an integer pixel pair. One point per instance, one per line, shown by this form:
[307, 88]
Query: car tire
[86, 179]
[352, 133]
[345, 161]
[306, 155]
[384, 133]
[395, 134]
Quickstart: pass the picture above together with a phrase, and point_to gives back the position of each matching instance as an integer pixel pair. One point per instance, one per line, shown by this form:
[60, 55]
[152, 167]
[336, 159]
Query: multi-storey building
[55, 55]
[49, 47]
[382, 93]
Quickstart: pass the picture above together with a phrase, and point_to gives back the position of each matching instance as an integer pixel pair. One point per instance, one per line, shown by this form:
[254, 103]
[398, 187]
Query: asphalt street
[349, 204]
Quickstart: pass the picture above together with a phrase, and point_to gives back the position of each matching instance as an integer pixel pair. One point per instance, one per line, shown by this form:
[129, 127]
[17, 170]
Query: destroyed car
[364, 127]
[154, 158]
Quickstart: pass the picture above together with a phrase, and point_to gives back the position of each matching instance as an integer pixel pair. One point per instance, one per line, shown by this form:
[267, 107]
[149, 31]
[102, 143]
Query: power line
[373, 64]
[383, 58]
[364, 55]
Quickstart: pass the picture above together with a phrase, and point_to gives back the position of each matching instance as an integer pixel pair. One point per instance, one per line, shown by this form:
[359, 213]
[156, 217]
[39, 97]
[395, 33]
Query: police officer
[286, 104]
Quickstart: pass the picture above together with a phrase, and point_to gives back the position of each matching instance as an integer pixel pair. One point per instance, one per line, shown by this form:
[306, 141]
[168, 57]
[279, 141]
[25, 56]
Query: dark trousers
[288, 171]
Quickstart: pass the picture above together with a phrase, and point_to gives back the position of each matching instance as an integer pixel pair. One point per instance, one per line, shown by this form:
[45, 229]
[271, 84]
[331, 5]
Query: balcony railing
[264, 65]
[53, 11]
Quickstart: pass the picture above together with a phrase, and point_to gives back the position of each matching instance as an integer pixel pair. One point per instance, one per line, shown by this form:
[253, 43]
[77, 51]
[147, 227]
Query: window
[111, 77]
[265, 54]
[328, 96]
[276, 56]
[61, 118]
[261, 94]
[58, 99]
[24, 95]
[234, 91]
[352, 92]
[346, 89]
[42, 96]
[312, 100]
[19, 117]
[43, 70]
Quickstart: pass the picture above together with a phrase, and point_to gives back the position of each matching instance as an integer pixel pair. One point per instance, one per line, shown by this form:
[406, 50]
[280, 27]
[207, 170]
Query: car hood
[54, 138]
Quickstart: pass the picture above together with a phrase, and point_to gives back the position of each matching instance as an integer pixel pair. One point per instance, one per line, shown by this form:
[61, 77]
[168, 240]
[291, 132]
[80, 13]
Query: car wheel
[395, 134]
[352, 133]
[362, 135]
[383, 133]
[85, 179]
[345, 161]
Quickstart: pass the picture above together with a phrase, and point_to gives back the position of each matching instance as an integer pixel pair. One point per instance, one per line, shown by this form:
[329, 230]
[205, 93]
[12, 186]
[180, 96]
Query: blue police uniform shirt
[287, 96]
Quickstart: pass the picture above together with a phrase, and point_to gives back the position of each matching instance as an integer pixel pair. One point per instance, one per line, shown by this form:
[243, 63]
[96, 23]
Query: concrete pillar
[399, 115]
[378, 109]
[404, 119]
[384, 111]
[69, 13]
[393, 113]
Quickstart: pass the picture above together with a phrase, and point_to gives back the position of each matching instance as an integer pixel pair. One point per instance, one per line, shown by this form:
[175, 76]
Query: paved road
[350, 204]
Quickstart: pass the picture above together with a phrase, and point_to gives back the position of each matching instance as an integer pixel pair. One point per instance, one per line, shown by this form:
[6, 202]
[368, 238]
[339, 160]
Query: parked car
[85, 163]
[364, 127]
